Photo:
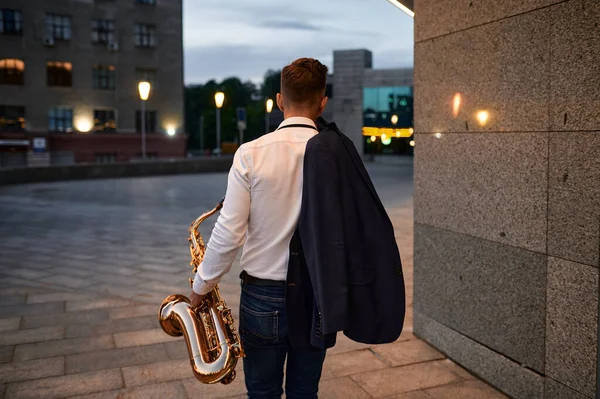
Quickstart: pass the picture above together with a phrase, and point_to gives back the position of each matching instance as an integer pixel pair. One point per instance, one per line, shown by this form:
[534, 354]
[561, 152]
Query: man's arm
[230, 229]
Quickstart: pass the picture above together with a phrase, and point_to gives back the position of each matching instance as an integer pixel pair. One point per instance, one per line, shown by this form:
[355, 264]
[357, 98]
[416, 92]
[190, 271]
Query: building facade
[507, 191]
[69, 74]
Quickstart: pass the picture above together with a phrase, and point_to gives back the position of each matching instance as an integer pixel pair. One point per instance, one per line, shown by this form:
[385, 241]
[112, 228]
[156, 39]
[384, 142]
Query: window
[150, 121]
[60, 119]
[104, 120]
[59, 74]
[12, 119]
[58, 26]
[145, 35]
[145, 75]
[104, 77]
[381, 104]
[151, 2]
[103, 31]
[11, 22]
[12, 71]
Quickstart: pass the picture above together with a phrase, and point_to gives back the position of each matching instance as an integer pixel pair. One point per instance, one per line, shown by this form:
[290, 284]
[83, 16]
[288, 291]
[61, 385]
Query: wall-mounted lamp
[405, 5]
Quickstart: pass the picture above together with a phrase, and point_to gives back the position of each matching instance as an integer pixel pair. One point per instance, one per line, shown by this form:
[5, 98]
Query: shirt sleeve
[229, 232]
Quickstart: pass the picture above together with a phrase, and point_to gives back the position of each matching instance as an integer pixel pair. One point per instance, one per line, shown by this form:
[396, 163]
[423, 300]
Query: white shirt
[261, 208]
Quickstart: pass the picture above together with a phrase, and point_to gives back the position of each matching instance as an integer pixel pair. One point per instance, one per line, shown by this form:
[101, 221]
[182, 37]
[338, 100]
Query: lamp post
[219, 99]
[144, 89]
[269, 106]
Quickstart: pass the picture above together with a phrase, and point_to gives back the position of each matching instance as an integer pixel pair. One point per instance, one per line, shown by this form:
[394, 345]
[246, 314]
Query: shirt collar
[298, 120]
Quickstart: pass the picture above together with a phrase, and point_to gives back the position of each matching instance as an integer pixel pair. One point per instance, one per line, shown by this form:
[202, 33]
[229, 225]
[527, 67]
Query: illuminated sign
[386, 132]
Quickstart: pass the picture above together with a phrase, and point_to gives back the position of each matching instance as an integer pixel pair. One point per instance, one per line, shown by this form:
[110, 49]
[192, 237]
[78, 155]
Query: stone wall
[507, 212]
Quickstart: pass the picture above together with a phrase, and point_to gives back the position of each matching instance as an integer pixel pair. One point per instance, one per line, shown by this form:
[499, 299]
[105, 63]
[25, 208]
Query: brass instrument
[212, 341]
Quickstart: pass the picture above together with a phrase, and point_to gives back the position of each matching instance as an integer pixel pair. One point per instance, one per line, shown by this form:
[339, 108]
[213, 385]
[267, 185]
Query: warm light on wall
[83, 124]
[438, 135]
[482, 117]
[456, 105]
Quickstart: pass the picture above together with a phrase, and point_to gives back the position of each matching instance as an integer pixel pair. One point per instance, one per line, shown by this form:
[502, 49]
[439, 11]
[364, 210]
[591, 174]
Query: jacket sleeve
[321, 228]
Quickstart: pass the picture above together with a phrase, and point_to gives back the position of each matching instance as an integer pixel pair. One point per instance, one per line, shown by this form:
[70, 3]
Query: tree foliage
[200, 105]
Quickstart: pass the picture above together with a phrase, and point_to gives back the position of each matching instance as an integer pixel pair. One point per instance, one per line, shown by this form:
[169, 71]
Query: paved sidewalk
[81, 279]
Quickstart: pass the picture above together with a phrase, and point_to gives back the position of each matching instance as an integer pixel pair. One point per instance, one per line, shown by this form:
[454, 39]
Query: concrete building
[69, 71]
[507, 191]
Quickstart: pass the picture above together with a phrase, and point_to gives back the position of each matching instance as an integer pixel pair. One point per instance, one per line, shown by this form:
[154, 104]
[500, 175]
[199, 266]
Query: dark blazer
[348, 251]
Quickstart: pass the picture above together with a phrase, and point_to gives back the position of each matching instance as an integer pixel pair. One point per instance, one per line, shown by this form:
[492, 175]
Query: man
[260, 212]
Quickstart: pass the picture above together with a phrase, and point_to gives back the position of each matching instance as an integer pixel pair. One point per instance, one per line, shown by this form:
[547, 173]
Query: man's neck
[299, 114]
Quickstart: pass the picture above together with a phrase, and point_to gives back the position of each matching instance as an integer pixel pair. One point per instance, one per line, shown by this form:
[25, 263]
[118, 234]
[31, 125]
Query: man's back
[276, 163]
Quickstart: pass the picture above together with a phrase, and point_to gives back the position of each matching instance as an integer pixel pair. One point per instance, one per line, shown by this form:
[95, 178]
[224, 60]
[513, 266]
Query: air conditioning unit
[48, 41]
[113, 46]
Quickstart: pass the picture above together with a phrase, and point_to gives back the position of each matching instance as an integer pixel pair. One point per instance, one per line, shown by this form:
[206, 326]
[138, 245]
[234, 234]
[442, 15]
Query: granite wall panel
[492, 186]
[502, 68]
[572, 323]
[493, 293]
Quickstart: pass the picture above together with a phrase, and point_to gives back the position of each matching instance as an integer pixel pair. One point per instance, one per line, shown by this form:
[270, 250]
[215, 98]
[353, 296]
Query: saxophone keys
[191, 282]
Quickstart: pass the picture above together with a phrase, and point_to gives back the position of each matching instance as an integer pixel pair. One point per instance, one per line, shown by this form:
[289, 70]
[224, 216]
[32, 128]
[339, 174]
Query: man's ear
[323, 105]
[279, 99]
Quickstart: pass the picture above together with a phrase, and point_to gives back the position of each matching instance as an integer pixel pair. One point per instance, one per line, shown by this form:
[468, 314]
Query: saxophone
[212, 341]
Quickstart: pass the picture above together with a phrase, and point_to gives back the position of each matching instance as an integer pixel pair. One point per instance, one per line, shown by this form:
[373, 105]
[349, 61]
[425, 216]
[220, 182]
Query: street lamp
[269, 105]
[219, 99]
[144, 89]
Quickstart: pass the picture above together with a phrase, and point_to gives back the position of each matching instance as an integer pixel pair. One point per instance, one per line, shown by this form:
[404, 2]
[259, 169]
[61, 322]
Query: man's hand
[196, 299]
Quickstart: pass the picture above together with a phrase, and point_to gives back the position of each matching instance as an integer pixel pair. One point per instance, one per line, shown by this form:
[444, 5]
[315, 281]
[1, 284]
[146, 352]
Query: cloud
[289, 24]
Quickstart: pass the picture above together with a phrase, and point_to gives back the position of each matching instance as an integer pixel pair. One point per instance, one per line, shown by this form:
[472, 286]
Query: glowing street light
[219, 100]
[269, 108]
[394, 119]
[144, 89]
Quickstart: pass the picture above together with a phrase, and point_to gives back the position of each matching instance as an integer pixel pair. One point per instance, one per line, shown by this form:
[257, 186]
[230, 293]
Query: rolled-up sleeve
[230, 229]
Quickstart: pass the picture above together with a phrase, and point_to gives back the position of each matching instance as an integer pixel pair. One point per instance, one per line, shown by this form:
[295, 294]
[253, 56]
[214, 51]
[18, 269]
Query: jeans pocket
[259, 328]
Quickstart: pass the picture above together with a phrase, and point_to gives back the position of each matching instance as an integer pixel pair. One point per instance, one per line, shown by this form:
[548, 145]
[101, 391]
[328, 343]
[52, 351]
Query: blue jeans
[264, 331]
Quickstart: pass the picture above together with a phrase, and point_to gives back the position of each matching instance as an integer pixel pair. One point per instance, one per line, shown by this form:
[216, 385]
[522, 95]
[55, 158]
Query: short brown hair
[304, 81]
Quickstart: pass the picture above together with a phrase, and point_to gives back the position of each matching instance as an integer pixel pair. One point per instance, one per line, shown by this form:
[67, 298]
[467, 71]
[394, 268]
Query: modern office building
[69, 74]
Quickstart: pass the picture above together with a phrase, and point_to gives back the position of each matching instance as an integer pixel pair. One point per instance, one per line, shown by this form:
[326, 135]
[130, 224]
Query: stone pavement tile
[26, 273]
[195, 389]
[176, 349]
[63, 347]
[342, 387]
[465, 390]
[165, 390]
[66, 385]
[68, 281]
[360, 361]
[12, 300]
[33, 369]
[405, 379]
[413, 395]
[408, 352]
[456, 369]
[6, 353]
[170, 370]
[134, 311]
[57, 297]
[96, 304]
[31, 335]
[9, 324]
[124, 291]
[139, 338]
[113, 358]
[344, 344]
[111, 327]
[65, 319]
[73, 272]
[15, 289]
[37, 309]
